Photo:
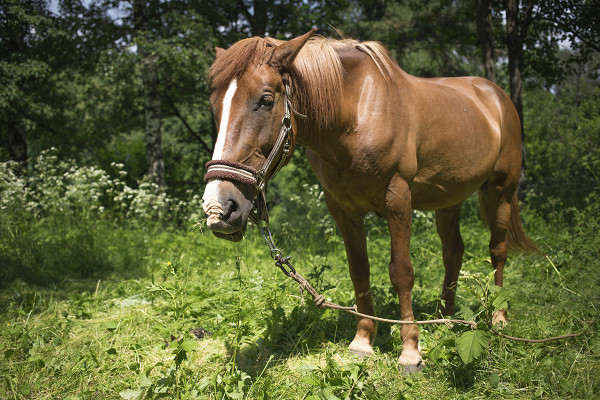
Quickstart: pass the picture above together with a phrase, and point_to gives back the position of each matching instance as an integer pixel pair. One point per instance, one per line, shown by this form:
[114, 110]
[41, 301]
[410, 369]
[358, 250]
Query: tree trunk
[155, 166]
[486, 37]
[261, 18]
[517, 23]
[256, 13]
[152, 109]
[17, 143]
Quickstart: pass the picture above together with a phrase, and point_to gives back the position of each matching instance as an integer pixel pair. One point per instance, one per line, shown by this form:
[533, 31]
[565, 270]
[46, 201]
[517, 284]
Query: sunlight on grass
[98, 309]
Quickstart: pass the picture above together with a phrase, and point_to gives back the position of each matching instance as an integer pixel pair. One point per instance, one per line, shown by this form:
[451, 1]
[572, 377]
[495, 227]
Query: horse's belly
[450, 169]
[446, 187]
[427, 196]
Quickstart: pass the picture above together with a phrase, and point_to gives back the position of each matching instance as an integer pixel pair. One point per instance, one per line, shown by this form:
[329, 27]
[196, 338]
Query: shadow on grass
[306, 329]
[52, 252]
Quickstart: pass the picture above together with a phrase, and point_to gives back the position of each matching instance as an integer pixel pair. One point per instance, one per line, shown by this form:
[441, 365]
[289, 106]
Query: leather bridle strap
[234, 171]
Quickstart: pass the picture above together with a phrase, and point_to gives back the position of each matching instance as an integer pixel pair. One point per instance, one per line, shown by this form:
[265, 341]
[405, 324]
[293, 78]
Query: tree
[537, 27]
[518, 20]
[25, 72]
[237, 19]
[143, 12]
[155, 82]
[43, 57]
[485, 36]
[577, 21]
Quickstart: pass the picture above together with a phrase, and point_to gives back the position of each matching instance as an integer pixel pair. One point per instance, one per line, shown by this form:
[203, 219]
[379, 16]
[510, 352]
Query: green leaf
[235, 395]
[500, 302]
[328, 394]
[25, 388]
[471, 345]
[112, 351]
[187, 345]
[130, 394]
[401, 396]
[180, 355]
[203, 384]
[112, 325]
[594, 344]
[37, 361]
[309, 380]
[144, 380]
[494, 380]
[466, 313]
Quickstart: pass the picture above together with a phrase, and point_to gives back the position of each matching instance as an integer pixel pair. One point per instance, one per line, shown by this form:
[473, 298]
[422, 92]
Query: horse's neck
[360, 72]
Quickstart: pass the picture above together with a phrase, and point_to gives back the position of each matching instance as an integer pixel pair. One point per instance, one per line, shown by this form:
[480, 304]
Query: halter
[234, 171]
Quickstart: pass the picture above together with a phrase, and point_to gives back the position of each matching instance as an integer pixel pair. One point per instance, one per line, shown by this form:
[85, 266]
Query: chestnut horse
[378, 139]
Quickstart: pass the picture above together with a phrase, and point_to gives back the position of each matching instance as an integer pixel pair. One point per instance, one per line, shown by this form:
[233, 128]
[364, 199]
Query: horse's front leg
[399, 217]
[351, 226]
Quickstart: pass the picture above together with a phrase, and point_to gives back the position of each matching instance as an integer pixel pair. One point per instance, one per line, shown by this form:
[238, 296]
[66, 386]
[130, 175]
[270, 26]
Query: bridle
[277, 158]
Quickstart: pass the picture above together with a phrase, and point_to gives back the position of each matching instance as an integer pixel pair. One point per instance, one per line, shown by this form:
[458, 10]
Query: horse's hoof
[499, 318]
[360, 349]
[409, 366]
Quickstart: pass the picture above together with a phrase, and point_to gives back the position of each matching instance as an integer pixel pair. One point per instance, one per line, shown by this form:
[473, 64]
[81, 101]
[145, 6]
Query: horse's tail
[517, 238]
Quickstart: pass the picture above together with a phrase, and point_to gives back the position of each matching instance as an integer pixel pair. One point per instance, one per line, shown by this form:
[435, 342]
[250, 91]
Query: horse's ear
[220, 51]
[284, 55]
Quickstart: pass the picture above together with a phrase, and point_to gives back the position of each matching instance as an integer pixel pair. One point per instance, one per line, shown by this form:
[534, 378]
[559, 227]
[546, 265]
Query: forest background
[104, 132]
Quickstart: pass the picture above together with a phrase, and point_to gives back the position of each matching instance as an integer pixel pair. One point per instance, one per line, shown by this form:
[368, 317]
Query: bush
[61, 187]
[562, 132]
[61, 220]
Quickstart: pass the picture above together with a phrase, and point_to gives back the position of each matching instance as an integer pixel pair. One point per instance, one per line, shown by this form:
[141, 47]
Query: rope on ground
[321, 302]
[286, 266]
[518, 339]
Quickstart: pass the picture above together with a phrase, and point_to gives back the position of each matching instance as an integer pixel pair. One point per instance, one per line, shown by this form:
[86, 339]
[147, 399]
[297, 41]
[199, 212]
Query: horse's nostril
[230, 208]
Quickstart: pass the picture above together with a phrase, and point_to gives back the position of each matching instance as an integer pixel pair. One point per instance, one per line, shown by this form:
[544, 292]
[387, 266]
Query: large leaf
[130, 394]
[471, 344]
[500, 297]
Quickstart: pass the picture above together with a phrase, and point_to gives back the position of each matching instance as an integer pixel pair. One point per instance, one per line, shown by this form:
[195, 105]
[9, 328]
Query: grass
[195, 317]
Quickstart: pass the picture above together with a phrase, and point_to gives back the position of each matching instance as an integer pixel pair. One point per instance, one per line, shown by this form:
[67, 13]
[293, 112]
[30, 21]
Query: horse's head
[250, 108]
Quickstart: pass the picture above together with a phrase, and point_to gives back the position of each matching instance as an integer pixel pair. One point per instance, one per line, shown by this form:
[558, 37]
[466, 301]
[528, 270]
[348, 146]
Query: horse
[378, 140]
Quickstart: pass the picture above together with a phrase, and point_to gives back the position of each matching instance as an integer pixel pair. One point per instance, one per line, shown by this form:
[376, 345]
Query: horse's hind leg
[447, 223]
[352, 228]
[496, 198]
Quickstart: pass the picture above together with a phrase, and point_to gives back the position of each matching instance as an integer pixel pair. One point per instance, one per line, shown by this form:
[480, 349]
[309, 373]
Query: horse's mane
[316, 75]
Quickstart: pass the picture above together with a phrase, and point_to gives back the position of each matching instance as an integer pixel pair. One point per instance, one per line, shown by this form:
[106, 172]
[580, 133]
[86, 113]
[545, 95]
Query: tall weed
[62, 220]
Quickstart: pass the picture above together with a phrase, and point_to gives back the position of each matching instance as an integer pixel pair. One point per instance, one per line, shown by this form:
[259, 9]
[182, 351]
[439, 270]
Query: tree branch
[187, 126]
[574, 32]
[247, 14]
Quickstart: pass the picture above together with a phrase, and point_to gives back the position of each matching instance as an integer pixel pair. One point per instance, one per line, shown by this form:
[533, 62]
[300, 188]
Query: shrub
[60, 219]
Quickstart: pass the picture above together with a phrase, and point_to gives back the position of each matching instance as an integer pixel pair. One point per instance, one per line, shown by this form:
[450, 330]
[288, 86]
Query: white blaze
[227, 100]
[211, 198]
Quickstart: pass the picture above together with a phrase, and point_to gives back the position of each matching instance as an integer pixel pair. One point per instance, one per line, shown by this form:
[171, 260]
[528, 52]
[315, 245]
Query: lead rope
[320, 301]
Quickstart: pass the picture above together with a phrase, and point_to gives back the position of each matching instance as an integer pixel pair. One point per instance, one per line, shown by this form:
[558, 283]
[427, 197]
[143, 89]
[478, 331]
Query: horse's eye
[266, 101]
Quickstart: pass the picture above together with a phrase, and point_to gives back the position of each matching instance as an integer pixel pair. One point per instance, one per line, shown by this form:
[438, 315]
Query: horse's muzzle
[226, 229]
[226, 209]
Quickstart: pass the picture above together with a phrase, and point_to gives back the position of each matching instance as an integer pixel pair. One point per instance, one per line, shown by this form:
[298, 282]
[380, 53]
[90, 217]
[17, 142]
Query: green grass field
[180, 314]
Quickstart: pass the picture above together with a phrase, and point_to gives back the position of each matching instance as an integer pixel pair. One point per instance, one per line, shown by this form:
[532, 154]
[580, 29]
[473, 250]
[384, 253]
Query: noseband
[234, 171]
